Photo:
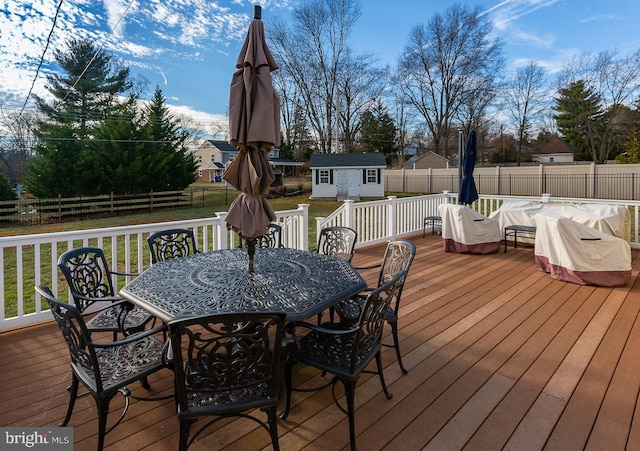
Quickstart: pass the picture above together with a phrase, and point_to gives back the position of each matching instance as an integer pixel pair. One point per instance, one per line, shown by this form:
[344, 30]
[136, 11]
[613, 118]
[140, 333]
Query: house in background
[214, 156]
[428, 160]
[347, 175]
[555, 151]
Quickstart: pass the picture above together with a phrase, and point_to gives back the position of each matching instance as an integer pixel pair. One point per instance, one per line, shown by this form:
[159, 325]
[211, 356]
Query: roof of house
[555, 146]
[223, 146]
[356, 160]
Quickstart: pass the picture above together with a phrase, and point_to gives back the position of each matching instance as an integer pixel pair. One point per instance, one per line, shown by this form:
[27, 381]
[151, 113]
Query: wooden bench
[513, 230]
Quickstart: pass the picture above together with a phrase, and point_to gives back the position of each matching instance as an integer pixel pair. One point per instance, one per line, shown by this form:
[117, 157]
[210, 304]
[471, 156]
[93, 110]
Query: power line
[53, 26]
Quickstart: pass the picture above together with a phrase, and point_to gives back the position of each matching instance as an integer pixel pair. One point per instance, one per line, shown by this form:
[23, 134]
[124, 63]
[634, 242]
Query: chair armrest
[317, 328]
[367, 267]
[132, 337]
[132, 274]
[111, 299]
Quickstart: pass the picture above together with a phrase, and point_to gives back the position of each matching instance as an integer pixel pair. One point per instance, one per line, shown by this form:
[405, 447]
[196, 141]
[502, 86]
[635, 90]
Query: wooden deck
[500, 356]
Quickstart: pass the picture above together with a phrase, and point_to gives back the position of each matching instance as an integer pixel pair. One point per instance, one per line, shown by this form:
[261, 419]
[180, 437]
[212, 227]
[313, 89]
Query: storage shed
[347, 175]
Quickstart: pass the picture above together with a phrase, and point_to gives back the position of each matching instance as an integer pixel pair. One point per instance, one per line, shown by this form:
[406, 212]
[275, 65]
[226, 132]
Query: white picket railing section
[36, 256]
[395, 218]
[31, 260]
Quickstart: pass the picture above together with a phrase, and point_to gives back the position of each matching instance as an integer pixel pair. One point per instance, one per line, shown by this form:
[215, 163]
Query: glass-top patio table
[298, 283]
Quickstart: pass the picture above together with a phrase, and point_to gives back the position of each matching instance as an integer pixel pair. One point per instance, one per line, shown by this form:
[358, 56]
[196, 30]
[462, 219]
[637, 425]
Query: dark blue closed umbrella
[468, 192]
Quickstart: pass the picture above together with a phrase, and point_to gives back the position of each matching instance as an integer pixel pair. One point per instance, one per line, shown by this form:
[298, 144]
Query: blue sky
[189, 47]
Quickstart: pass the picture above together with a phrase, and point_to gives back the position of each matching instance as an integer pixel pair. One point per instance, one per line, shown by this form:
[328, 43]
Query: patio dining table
[298, 283]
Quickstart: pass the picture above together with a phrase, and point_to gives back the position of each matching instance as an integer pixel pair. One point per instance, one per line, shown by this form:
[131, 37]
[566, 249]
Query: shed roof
[341, 160]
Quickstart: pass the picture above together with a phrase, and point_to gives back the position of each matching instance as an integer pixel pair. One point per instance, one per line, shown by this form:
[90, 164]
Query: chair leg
[185, 425]
[396, 344]
[287, 377]
[103, 412]
[273, 427]
[73, 394]
[349, 392]
[381, 375]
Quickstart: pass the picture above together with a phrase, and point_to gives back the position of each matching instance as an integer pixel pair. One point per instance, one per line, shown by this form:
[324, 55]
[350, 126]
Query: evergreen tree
[378, 131]
[6, 190]
[632, 149]
[579, 116]
[84, 94]
[174, 166]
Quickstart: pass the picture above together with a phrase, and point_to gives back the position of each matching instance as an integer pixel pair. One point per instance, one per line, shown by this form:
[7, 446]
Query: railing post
[392, 214]
[303, 227]
[348, 214]
[222, 230]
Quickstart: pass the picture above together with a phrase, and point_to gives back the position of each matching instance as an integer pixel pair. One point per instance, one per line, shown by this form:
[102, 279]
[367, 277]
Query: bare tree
[445, 63]
[616, 80]
[17, 143]
[311, 54]
[359, 84]
[525, 100]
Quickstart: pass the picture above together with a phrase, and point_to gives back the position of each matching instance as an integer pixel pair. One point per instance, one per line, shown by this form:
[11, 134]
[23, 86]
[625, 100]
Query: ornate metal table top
[298, 283]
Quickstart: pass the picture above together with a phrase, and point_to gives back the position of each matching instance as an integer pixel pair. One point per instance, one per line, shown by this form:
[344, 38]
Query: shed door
[348, 183]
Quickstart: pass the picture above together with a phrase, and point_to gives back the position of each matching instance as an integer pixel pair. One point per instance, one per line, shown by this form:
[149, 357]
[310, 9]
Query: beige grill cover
[580, 254]
[468, 232]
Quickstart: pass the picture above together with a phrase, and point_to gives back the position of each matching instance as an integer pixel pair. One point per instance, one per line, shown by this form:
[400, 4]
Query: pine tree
[84, 95]
[579, 117]
[378, 131]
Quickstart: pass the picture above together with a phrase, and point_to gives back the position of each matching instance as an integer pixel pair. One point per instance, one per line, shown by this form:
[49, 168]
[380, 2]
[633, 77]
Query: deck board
[499, 356]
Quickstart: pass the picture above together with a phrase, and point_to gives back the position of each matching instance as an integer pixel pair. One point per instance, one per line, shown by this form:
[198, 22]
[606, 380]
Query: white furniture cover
[466, 231]
[580, 254]
[611, 219]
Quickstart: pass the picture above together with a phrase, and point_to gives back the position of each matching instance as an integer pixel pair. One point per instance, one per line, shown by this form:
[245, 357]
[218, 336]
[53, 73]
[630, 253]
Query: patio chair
[226, 366]
[104, 368]
[343, 351]
[271, 239]
[337, 241]
[90, 281]
[398, 256]
[173, 243]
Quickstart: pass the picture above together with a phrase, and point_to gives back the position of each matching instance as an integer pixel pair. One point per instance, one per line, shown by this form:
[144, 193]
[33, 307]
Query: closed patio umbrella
[468, 192]
[254, 128]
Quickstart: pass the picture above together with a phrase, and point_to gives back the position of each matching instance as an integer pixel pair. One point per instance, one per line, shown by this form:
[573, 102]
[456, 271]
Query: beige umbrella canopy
[254, 128]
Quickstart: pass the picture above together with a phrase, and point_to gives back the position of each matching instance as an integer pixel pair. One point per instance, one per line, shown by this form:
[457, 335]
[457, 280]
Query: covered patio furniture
[173, 243]
[104, 368]
[468, 232]
[398, 257]
[577, 253]
[227, 366]
[611, 219]
[90, 281]
[343, 351]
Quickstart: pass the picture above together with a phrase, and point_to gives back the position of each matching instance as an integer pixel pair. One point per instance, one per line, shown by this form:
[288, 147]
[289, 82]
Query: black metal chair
[398, 257]
[343, 351]
[173, 243]
[272, 238]
[104, 368]
[337, 241]
[226, 366]
[90, 281]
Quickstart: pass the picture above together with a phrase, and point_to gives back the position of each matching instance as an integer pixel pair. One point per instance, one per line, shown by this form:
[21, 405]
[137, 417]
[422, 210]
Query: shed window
[324, 176]
[372, 176]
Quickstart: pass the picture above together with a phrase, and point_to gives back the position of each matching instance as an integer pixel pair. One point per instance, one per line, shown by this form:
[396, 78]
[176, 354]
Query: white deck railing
[394, 218]
[31, 260]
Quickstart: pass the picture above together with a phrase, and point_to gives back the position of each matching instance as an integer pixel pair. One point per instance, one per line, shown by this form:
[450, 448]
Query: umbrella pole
[251, 250]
